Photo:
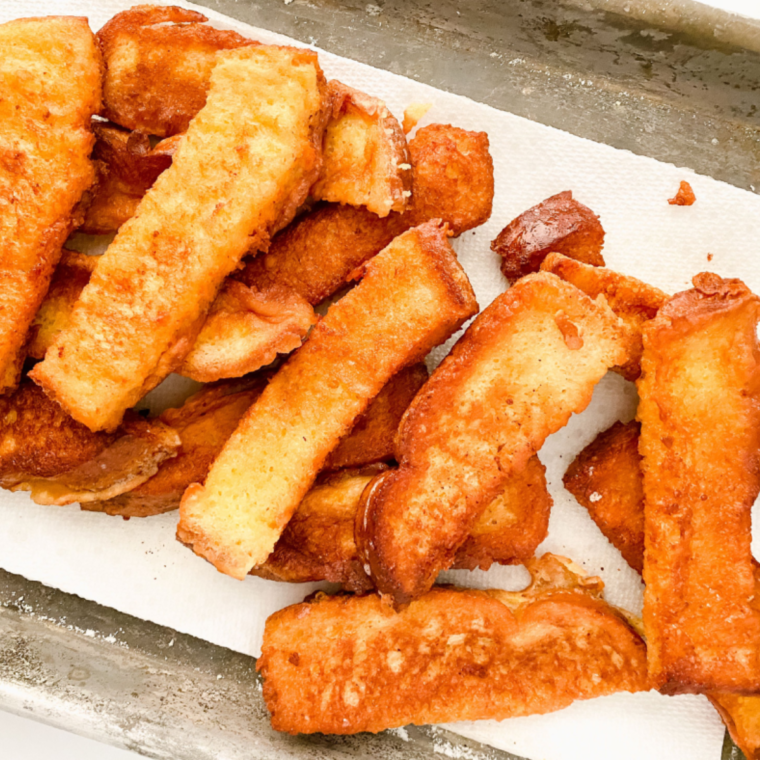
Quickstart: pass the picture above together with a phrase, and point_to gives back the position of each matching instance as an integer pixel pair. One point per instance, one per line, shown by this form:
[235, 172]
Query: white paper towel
[137, 566]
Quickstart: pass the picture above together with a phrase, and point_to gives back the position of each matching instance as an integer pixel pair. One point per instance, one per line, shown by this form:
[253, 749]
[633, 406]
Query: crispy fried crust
[158, 66]
[70, 276]
[632, 300]
[50, 71]
[684, 197]
[127, 169]
[60, 461]
[371, 437]
[413, 295]
[207, 419]
[256, 144]
[318, 543]
[346, 664]
[512, 526]
[452, 177]
[605, 478]
[366, 157]
[700, 438]
[523, 367]
[245, 330]
[559, 224]
[452, 181]
[204, 423]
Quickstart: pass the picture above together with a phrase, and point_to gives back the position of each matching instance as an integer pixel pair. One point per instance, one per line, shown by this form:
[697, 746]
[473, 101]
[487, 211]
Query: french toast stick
[700, 443]
[412, 297]
[528, 361]
[256, 144]
[50, 72]
[345, 664]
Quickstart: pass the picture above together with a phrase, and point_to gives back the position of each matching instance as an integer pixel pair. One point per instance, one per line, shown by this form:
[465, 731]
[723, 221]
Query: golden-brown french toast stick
[244, 166]
[700, 442]
[632, 300]
[412, 297]
[344, 664]
[606, 478]
[50, 71]
[159, 61]
[528, 361]
[60, 461]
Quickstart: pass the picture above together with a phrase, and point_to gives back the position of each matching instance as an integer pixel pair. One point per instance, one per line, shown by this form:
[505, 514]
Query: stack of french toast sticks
[243, 190]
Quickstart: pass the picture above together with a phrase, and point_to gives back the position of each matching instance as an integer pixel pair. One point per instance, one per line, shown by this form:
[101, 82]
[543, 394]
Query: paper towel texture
[137, 566]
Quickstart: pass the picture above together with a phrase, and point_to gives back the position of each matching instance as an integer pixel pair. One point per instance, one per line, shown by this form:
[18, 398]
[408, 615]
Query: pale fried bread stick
[50, 71]
[412, 297]
[523, 367]
[700, 442]
[244, 166]
[340, 665]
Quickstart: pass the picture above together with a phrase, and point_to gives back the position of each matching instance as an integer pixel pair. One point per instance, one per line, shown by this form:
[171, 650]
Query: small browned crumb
[684, 197]
[709, 257]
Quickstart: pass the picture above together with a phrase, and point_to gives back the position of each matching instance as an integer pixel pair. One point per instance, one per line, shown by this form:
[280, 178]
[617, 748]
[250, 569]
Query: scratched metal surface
[675, 81]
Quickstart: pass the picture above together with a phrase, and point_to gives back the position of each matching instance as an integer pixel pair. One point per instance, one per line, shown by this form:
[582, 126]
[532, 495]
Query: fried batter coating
[512, 526]
[366, 157]
[371, 437]
[632, 300]
[204, 423]
[245, 329]
[523, 367]
[128, 167]
[244, 166]
[700, 442]
[452, 173]
[70, 276]
[44, 451]
[412, 297]
[560, 224]
[452, 180]
[345, 664]
[318, 543]
[50, 70]
[159, 61]
[606, 479]
[207, 419]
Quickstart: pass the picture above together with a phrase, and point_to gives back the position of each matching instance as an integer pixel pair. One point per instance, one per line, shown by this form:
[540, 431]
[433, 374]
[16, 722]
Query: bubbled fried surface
[145, 303]
[50, 71]
[158, 66]
[511, 380]
[348, 664]
[411, 298]
[560, 224]
[700, 442]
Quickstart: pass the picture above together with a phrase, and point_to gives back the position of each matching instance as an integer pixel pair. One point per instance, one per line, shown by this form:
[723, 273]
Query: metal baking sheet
[672, 80]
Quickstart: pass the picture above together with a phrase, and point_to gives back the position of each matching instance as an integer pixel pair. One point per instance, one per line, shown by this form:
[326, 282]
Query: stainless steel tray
[671, 80]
